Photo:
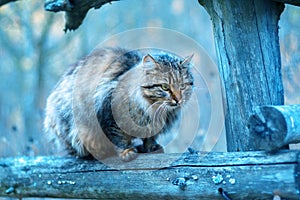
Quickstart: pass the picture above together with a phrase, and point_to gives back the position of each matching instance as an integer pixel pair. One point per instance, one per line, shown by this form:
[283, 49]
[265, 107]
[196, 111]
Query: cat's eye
[165, 86]
[182, 86]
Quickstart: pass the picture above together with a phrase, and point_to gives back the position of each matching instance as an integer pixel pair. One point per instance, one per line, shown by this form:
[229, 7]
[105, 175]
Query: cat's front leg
[150, 146]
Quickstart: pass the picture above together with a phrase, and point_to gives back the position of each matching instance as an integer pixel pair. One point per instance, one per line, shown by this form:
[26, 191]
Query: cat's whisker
[196, 88]
[154, 116]
[117, 85]
[182, 102]
[157, 121]
[158, 112]
[151, 106]
[147, 112]
[188, 106]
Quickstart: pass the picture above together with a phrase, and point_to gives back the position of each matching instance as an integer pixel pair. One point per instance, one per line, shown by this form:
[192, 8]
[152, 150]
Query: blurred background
[35, 52]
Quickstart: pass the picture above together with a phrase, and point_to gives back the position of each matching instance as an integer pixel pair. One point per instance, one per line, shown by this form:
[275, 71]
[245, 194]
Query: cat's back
[73, 97]
[104, 62]
[101, 66]
[82, 78]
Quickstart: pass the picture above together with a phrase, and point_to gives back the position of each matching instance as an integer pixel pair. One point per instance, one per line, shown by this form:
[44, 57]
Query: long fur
[115, 97]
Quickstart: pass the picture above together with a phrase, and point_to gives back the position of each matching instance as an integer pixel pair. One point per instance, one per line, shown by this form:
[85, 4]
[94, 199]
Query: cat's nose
[176, 98]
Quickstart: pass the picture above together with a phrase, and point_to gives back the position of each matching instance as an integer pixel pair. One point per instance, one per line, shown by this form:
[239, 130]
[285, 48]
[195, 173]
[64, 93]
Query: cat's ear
[149, 60]
[187, 61]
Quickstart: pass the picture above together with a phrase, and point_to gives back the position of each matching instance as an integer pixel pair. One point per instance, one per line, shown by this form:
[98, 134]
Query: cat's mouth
[174, 103]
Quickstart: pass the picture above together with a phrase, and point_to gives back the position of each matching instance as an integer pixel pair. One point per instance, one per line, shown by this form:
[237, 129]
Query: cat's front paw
[128, 154]
[157, 149]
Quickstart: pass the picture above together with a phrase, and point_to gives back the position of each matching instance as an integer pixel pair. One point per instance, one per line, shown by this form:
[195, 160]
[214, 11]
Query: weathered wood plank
[157, 176]
[247, 44]
[273, 127]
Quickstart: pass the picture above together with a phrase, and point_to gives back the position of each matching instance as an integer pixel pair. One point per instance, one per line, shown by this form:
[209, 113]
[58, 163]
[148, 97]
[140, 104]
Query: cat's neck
[134, 82]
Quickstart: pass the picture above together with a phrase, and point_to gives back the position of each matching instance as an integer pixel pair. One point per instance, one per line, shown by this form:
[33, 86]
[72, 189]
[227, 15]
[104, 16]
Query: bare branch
[75, 10]
[292, 2]
[2, 2]
[58, 5]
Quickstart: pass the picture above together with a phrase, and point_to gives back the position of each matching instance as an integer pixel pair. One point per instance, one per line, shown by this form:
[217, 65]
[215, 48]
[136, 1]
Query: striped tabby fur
[116, 101]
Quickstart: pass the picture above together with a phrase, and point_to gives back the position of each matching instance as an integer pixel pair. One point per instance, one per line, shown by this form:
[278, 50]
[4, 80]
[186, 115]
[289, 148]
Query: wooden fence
[247, 44]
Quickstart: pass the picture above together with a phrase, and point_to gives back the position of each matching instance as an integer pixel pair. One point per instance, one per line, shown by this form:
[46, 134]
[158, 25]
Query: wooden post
[242, 175]
[273, 127]
[247, 44]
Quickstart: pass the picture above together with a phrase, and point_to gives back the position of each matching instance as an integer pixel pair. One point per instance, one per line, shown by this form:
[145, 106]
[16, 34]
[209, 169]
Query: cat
[117, 102]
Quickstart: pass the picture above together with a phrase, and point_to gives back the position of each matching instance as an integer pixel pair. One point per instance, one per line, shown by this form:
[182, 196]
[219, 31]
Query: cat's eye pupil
[165, 87]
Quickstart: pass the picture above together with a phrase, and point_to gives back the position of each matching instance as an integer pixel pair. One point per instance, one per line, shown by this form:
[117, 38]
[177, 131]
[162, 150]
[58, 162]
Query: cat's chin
[173, 106]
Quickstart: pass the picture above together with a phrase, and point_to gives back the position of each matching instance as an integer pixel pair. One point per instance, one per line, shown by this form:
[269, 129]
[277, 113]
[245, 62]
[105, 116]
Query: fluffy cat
[117, 101]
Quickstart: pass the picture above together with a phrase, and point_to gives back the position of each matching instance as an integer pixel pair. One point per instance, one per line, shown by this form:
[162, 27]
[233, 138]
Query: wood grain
[273, 127]
[247, 44]
[154, 176]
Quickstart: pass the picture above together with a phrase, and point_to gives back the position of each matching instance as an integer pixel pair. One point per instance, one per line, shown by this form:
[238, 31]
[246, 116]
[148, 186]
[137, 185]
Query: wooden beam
[273, 127]
[242, 175]
[247, 44]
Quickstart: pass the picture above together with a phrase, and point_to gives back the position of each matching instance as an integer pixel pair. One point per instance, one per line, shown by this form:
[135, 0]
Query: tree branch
[292, 2]
[2, 2]
[76, 10]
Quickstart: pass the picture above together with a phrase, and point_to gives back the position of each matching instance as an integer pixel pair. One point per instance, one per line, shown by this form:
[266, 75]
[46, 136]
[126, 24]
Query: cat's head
[167, 80]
